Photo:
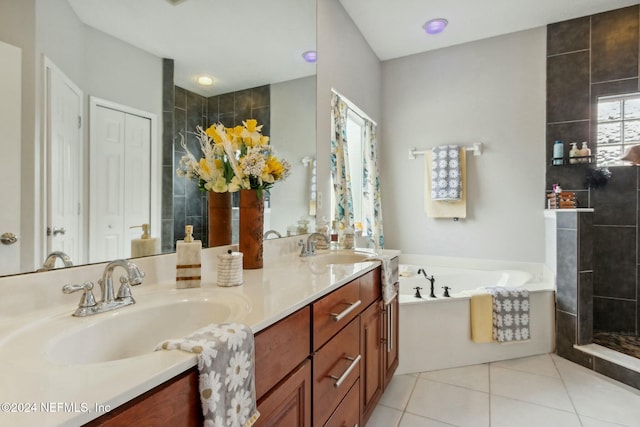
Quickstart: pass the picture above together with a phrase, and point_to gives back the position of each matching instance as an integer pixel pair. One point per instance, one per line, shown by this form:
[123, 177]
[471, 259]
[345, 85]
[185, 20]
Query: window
[618, 127]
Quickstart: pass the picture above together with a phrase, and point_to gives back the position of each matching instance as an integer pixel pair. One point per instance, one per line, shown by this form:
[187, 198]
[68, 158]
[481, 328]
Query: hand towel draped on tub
[500, 314]
[226, 355]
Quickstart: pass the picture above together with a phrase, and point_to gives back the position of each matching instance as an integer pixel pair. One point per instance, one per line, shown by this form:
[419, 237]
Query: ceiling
[394, 28]
[189, 31]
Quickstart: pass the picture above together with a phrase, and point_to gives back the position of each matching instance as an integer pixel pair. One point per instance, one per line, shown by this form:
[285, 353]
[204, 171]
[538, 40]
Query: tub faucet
[50, 262]
[417, 295]
[430, 279]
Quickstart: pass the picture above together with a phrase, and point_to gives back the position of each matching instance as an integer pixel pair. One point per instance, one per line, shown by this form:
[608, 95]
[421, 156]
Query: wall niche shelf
[579, 160]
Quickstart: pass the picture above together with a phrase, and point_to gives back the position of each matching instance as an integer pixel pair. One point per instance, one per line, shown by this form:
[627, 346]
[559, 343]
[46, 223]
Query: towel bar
[476, 148]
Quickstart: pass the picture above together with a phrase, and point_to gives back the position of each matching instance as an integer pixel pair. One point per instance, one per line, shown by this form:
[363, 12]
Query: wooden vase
[251, 228]
[219, 219]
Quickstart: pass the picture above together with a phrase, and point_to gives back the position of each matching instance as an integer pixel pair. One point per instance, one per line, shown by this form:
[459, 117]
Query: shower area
[597, 250]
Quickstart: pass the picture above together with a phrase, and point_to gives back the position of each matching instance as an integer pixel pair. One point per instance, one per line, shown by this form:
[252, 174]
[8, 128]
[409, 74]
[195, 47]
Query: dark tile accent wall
[190, 204]
[586, 58]
[168, 101]
[606, 278]
[182, 202]
[574, 279]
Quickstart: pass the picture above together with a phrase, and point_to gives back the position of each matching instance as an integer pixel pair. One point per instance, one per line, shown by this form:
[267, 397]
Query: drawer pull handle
[353, 364]
[352, 305]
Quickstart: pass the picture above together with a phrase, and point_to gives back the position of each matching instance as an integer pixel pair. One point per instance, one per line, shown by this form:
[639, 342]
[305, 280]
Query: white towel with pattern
[446, 173]
[226, 354]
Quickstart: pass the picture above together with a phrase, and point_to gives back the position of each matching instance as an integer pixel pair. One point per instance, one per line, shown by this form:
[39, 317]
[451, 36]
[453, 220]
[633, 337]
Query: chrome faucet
[309, 248]
[269, 233]
[50, 262]
[108, 300]
[313, 239]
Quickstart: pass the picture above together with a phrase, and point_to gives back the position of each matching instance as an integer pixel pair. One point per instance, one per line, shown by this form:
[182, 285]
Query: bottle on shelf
[558, 153]
[585, 153]
[573, 153]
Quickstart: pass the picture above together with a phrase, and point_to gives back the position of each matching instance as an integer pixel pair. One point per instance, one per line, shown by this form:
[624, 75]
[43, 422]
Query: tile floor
[540, 391]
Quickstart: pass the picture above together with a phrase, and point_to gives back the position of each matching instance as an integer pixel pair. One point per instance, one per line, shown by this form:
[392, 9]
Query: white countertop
[36, 391]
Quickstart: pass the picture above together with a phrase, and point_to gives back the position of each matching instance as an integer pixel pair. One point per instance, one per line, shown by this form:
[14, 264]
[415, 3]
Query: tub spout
[431, 279]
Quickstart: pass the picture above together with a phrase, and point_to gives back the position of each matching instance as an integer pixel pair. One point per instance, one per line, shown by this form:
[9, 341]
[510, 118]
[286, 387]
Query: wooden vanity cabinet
[390, 340]
[325, 365]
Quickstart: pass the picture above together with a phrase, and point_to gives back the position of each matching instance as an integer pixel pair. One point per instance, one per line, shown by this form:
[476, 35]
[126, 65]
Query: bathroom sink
[130, 331]
[346, 257]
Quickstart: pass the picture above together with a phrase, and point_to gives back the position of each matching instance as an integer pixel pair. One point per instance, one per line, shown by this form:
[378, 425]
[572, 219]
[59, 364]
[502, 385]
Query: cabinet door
[371, 372]
[289, 403]
[390, 339]
[174, 403]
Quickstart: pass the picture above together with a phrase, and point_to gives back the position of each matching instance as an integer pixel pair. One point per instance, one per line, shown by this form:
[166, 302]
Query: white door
[120, 195]
[65, 171]
[10, 132]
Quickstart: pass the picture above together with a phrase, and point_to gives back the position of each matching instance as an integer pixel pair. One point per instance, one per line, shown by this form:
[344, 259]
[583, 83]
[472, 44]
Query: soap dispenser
[585, 153]
[188, 266]
[145, 245]
[573, 153]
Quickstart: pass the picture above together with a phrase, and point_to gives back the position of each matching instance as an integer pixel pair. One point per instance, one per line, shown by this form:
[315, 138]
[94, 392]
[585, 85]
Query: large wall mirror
[111, 54]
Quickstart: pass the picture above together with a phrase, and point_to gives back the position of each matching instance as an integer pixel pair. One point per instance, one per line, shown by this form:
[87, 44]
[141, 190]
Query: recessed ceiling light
[435, 26]
[310, 56]
[205, 80]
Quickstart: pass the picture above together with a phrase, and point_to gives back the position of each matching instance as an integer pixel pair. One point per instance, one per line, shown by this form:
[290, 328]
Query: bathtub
[435, 332]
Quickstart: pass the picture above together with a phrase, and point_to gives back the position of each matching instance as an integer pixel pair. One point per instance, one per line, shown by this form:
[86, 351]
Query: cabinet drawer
[370, 287]
[347, 413]
[280, 348]
[332, 312]
[336, 367]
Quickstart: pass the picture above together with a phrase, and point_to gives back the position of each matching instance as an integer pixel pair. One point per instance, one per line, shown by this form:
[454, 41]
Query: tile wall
[182, 202]
[582, 65]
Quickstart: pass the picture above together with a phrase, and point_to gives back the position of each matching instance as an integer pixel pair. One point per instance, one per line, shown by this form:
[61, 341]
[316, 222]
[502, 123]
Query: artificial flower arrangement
[233, 159]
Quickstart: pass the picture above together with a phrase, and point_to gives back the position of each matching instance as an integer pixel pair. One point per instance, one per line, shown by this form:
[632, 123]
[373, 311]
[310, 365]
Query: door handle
[8, 238]
[56, 231]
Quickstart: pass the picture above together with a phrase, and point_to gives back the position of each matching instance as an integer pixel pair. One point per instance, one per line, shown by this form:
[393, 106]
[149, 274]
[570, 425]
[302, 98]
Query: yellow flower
[216, 133]
[251, 132]
[204, 166]
[274, 167]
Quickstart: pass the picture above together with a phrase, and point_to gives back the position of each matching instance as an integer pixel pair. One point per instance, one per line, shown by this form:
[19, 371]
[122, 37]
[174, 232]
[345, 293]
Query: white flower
[524, 333]
[508, 319]
[516, 304]
[209, 392]
[508, 335]
[442, 154]
[525, 305]
[524, 319]
[453, 163]
[233, 334]
[237, 371]
[499, 321]
[506, 305]
[238, 413]
[518, 335]
[497, 305]
[453, 153]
